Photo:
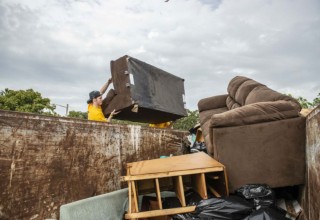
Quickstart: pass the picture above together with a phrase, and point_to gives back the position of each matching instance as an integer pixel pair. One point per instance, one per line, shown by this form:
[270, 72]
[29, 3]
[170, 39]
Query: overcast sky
[63, 48]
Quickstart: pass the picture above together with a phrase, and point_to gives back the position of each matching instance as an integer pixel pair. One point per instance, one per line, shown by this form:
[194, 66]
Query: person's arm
[105, 86]
[111, 115]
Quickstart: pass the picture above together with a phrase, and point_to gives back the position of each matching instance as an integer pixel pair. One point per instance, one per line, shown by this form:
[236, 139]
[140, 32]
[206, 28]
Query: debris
[261, 195]
[267, 213]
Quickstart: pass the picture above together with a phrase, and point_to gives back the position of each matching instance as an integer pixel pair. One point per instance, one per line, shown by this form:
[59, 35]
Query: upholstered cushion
[239, 88]
[255, 113]
[212, 102]
[206, 115]
[231, 103]
[265, 94]
[243, 91]
[234, 85]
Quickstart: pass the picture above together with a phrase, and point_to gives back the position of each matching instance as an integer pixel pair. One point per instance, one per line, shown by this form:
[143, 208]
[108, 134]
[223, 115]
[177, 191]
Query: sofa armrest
[255, 113]
[212, 102]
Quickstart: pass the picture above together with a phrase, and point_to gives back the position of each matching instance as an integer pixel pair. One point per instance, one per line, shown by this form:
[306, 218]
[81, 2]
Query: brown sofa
[256, 132]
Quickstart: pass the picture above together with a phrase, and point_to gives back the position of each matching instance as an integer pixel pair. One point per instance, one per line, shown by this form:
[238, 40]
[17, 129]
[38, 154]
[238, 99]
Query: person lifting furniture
[94, 104]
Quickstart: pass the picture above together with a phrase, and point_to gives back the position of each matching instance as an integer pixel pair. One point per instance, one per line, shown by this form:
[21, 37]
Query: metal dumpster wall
[49, 161]
[311, 193]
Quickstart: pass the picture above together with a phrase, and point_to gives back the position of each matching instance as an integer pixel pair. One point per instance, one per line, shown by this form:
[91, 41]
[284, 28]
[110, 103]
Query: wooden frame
[207, 174]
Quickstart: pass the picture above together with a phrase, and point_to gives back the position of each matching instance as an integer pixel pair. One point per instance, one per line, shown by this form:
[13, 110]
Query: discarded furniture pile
[249, 142]
[195, 186]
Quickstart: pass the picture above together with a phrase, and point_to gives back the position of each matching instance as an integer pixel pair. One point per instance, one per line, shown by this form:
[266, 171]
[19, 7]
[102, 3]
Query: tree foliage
[187, 122]
[316, 101]
[78, 114]
[25, 101]
[306, 104]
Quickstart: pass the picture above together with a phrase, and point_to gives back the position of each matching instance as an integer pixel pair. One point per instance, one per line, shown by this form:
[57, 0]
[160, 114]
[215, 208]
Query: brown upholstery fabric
[157, 93]
[231, 103]
[234, 84]
[264, 94]
[255, 113]
[205, 120]
[110, 95]
[258, 135]
[272, 153]
[212, 102]
[243, 91]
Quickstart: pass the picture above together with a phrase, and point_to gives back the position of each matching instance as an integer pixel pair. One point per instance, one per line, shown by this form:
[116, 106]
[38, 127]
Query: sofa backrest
[243, 91]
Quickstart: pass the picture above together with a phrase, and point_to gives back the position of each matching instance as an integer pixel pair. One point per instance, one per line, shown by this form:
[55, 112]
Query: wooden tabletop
[193, 161]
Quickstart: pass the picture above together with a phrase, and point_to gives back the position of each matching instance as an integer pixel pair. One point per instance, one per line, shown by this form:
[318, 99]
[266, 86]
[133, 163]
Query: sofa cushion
[206, 115]
[239, 88]
[234, 85]
[265, 94]
[212, 102]
[231, 103]
[243, 91]
[255, 113]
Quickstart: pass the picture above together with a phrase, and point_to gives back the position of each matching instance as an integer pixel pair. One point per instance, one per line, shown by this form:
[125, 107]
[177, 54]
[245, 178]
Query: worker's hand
[114, 112]
[109, 81]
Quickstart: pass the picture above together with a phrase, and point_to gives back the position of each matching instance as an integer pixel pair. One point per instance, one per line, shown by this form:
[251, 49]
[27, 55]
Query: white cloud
[63, 48]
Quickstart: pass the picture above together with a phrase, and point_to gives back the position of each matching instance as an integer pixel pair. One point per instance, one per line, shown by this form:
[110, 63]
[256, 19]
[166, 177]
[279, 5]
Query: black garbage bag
[170, 202]
[186, 216]
[259, 194]
[192, 197]
[231, 208]
[268, 213]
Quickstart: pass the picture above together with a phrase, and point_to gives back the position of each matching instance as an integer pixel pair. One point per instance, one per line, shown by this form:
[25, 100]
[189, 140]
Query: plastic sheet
[267, 213]
[260, 194]
[231, 208]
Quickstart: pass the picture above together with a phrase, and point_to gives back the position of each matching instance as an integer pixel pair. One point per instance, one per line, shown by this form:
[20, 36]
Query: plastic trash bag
[232, 208]
[186, 216]
[192, 197]
[267, 213]
[260, 194]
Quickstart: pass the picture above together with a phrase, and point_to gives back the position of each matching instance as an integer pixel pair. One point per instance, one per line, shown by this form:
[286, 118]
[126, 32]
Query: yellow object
[199, 135]
[161, 125]
[95, 113]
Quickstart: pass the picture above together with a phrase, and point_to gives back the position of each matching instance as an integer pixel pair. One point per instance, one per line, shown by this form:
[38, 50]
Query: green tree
[305, 103]
[316, 101]
[187, 122]
[78, 114]
[25, 101]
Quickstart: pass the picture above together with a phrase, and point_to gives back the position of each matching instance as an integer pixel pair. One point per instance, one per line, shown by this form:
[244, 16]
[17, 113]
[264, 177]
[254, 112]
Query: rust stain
[49, 161]
[310, 196]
